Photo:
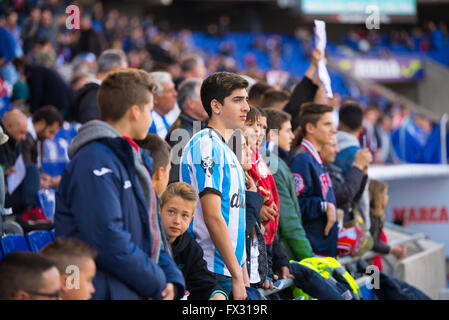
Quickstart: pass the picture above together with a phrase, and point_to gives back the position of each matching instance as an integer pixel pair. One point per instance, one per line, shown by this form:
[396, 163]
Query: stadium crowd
[187, 176]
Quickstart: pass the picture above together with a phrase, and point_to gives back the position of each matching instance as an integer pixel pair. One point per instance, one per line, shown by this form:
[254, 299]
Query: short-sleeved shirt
[209, 165]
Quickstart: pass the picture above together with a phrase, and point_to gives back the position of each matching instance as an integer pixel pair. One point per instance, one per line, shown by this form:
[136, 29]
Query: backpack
[354, 238]
[331, 269]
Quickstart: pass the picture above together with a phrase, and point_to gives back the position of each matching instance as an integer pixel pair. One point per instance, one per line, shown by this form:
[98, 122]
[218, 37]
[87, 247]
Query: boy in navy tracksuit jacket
[313, 184]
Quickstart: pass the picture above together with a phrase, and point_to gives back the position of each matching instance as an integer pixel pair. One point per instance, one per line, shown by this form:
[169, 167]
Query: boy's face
[286, 136]
[160, 181]
[263, 130]
[246, 155]
[177, 214]
[329, 151]
[252, 133]
[234, 109]
[86, 287]
[143, 119]
[323, 132]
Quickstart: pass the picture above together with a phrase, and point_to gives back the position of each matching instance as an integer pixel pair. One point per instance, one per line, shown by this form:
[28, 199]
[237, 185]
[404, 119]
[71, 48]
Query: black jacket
[347, 189]
[47, 87]
[84, 106]
[304, 92]
[188, 255]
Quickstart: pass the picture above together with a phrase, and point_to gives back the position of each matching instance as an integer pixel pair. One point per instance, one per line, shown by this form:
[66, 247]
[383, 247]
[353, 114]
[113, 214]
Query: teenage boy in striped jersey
[212, 168]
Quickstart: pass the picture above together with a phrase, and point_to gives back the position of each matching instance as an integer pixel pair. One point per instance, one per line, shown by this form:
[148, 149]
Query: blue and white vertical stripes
[208, 164]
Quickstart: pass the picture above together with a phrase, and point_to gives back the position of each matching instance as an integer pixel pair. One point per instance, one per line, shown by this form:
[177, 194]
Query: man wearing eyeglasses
[28, 276]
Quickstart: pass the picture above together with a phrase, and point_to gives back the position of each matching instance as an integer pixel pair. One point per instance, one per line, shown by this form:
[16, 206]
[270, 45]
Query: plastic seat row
[33, 241]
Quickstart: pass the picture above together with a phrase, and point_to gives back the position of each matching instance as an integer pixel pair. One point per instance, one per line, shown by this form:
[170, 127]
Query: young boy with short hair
[68, 252]
[291, 230]
[177, 205]
[159, 165]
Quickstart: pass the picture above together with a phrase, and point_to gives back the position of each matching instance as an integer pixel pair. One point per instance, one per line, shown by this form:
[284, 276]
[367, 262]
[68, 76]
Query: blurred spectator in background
[164, 113]
[68, 253]
[255, 94]
[28, 276]
[191, 120]
[47, 87]
[275, 99]
[84, 106]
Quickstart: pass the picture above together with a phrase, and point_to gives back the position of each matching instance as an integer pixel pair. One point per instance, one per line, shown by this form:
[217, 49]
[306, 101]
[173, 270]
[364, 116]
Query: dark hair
[311, 112]
[256, 92]
[22, 271]
[159, 150]
[273, 96]
[67, 251]
[122, 89]
[351, 115]
[253, 115]
[275, 118]
[50, 114]
[218, 86]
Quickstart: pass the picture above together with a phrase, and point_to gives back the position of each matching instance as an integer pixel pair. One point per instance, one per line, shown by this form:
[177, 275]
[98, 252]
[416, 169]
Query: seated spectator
[313, 187]
[275, 99]
[192, 119]
[84, 105]
[347, 188]
[28, 276]
[69, 252]
[177, 206]
[291, 231]
[160, 153]
[47, 87]
[165, 111]
[378, 191]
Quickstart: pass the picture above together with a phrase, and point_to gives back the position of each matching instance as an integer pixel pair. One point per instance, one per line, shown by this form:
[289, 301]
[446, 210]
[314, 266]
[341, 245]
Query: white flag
[320, 43]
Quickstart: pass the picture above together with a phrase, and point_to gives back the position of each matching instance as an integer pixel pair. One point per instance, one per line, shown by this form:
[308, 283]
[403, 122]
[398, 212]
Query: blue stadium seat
[38, 239]
[53, 236]
[13, 242]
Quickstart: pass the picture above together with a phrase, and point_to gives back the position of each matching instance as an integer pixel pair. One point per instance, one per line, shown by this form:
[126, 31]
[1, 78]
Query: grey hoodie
[95, 130]
[346, 140]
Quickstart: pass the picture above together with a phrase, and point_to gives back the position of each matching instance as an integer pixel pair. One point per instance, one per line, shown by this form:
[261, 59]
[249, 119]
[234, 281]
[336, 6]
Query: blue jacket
[314, 189]
[101, 201]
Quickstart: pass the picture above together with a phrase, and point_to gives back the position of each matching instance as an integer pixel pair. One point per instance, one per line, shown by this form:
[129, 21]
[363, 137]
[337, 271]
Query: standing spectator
[291, 231]
[68, 252]
[44, 124]
[191, 120]
[313, 186]
[106, 197]
[45, 30]
[89, 40]
[84, 106]
[28, 276]
[213, 169]
[164, 112]
[349, 129]
[29, 29]
[347, 188]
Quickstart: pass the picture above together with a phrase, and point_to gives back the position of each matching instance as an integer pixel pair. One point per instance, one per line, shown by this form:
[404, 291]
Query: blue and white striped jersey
[209, 165]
